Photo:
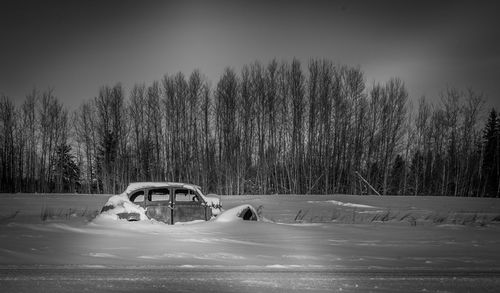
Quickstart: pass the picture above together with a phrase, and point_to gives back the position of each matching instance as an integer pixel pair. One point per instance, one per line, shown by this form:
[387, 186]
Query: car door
[158, 204]
[188, 206]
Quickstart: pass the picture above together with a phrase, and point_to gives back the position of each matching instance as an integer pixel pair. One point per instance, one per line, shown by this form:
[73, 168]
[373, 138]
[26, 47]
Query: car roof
[140, 185]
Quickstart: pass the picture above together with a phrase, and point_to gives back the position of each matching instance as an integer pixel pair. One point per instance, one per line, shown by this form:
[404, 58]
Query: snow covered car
[168, 202]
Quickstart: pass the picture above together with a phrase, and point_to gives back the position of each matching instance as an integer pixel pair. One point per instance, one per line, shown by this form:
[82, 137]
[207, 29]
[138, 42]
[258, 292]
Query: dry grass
[9, 217]
[354, 216]
[48, 213]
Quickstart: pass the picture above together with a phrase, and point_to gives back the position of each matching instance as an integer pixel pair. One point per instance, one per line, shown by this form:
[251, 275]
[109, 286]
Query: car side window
[137, 197]
[185, 195]
[159, 194]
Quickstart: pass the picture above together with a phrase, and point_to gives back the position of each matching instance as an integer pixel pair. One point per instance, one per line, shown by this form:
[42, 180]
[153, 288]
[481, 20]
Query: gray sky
[78, 46]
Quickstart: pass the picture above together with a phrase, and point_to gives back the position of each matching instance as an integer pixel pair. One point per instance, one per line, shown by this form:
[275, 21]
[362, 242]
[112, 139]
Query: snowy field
[316, 243]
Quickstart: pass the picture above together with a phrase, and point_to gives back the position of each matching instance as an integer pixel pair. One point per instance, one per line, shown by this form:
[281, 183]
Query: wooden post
[367, 183]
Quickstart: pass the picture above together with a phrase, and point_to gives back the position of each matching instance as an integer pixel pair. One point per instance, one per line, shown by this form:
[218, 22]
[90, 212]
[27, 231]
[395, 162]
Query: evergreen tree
[416, 173]
[497, 178]
[490, 169]
[397, 175]
[66, 170]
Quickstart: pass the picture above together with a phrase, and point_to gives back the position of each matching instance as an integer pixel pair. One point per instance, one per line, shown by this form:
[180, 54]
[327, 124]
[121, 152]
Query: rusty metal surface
[159, 212]
[171, 202]
[187, 211]
[129, 216]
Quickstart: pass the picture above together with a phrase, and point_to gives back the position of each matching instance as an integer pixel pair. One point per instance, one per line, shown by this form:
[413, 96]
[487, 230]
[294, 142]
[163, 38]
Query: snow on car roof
[139, 185]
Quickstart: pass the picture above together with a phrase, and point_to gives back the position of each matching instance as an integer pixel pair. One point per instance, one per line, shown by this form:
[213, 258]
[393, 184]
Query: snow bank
[344, 204]
[239, 213]
[120, 204]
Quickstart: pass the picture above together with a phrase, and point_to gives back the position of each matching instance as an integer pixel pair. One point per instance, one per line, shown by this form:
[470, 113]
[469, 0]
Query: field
[316, 243]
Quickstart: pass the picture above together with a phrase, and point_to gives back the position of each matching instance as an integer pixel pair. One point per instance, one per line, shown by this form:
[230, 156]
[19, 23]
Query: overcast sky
[78, 46]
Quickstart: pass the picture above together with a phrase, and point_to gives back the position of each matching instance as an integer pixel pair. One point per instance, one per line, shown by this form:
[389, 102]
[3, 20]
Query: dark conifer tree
[66, 170]
[490, 156]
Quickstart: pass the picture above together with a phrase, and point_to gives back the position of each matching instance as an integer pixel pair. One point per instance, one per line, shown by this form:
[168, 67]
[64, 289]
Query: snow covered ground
[305, 243]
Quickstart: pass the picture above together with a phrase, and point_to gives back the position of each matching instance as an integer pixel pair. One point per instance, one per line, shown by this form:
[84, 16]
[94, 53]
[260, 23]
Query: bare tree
[7, 151]
[111, 117]
[226, 96]
[271, 129]
[393, 117]
[296, 160]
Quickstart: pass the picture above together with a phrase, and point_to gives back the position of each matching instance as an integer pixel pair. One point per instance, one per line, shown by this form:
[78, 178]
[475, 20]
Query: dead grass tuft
[48, 213]
[300, 216]
[354, 216]
[9, 217]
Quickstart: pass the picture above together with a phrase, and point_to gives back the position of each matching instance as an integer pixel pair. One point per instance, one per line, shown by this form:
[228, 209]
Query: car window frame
[199, 202]
[134, 193]
[149, 199]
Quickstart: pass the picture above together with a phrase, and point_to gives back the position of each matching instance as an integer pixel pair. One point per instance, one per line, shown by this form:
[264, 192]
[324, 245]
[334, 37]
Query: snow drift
[120, 207]
[244, 212]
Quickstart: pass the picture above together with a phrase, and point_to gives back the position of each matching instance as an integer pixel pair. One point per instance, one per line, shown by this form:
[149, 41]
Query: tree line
[271, 128]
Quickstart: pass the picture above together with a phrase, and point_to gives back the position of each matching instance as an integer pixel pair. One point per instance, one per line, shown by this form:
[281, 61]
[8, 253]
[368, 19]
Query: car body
[168, 202]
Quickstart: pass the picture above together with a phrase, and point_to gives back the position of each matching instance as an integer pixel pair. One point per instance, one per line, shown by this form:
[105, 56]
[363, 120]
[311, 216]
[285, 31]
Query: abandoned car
[170, 202]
